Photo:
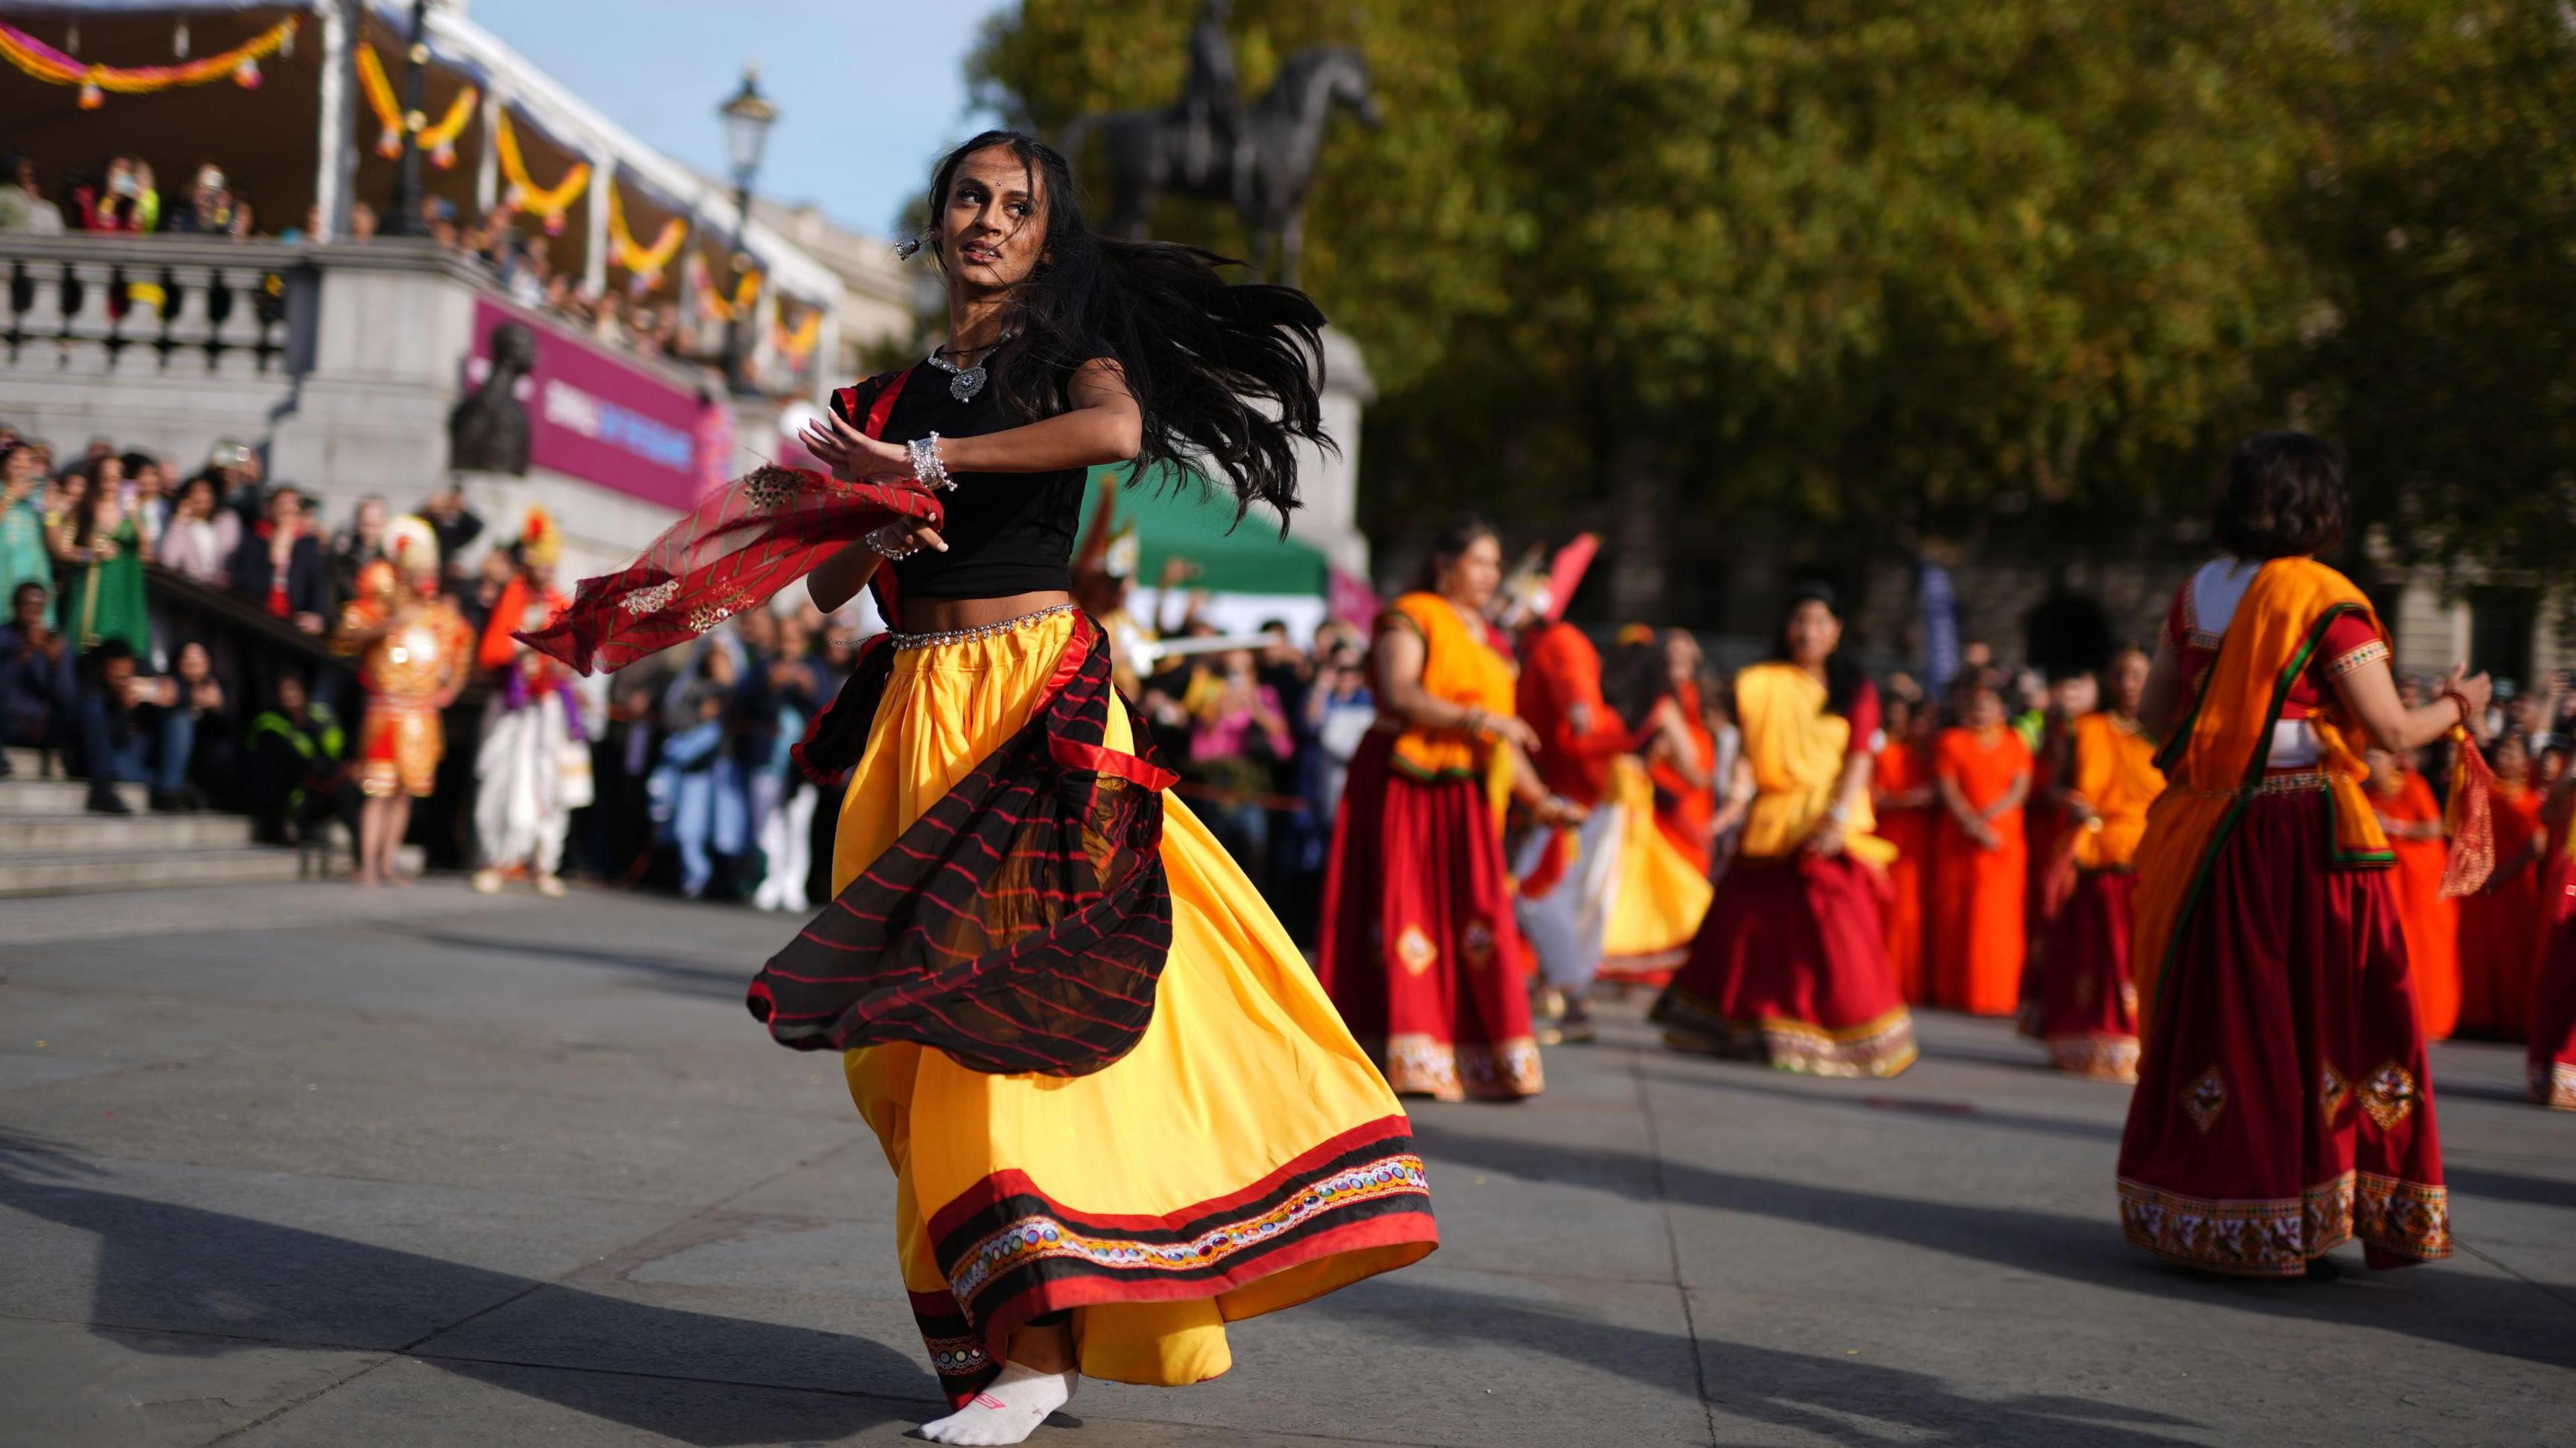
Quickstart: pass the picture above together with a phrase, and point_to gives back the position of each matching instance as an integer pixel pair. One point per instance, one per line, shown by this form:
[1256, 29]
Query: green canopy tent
[1176, 516]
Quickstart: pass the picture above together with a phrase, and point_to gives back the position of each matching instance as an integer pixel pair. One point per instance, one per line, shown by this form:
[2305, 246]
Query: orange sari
[1902, 769]
[2432, 923]
[2501, 927]
[1980, 929]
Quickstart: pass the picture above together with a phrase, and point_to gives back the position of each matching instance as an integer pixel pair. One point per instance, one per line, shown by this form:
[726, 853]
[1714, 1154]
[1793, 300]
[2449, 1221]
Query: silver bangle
[891, 552]
[928, 469]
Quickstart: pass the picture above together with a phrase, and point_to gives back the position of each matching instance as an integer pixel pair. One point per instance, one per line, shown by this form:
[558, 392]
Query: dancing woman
[1790, 966]
[2282, 1103]
[1119, 1110]
[1420, 950]
[2106, 772]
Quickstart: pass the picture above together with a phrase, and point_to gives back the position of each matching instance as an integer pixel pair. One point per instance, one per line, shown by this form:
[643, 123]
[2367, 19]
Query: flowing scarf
[730, 554]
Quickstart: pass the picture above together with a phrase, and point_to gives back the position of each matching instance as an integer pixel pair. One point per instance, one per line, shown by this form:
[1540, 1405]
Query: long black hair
[1843, 677]
[1228, 374]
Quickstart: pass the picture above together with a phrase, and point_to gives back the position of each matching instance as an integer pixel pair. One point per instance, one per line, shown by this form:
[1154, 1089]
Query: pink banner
[601, 418]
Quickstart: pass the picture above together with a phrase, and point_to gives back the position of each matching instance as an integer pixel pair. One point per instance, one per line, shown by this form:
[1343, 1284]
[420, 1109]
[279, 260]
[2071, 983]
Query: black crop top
[1006, 532]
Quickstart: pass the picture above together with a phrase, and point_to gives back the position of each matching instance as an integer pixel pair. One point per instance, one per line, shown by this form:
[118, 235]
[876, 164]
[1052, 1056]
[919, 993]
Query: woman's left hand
[853, 456]
[1828, 839]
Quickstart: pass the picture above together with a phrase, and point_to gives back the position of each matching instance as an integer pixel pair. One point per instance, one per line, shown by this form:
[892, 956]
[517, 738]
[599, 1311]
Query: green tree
[1908, 269]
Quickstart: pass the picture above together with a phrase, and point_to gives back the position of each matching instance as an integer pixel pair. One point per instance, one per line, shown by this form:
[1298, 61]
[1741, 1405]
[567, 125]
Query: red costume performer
[2412, 818]
[2553, 998]
[1902, 788]
[2087, 1002]
[2283, 1103]
[1420, 951]
[2503, 927]
[1790, 966]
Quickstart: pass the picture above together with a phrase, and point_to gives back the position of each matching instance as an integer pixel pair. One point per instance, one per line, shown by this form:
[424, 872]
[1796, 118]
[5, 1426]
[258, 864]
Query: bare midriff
[943, 615]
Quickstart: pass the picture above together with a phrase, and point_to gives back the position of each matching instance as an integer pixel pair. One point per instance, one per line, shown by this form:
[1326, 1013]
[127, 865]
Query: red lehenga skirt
[2283, 1104]
[1790, 967]
[1420, 952]
[2086, 1007]
[2553, 1003]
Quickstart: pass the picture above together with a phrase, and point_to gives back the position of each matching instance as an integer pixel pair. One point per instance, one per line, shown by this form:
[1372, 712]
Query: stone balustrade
[103, 306]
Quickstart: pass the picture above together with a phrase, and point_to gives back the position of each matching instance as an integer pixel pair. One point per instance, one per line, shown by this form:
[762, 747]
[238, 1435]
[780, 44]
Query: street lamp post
[406, 219]
[747, 116]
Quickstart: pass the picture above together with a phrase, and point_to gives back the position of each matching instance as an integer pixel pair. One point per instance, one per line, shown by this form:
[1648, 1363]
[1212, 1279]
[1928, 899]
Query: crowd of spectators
[123, 196]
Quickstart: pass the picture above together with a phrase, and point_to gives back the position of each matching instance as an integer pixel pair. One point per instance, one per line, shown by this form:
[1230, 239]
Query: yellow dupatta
[2115, 771]
[2217, 756]
[1797, 752]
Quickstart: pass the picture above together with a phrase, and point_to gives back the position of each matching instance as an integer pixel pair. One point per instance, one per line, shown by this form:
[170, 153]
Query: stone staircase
[51, 845]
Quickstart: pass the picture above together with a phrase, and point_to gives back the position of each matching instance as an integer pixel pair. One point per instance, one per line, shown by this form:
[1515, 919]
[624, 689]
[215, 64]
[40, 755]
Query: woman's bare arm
[1398, 661]
[2369, 696]
[838, 579]
[1103, 425]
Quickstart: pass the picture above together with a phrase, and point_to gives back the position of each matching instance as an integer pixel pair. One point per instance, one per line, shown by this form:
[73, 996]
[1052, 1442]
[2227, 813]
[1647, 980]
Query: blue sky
[869, 91]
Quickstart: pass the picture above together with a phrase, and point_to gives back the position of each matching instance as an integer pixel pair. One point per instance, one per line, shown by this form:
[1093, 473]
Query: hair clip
[904, 249]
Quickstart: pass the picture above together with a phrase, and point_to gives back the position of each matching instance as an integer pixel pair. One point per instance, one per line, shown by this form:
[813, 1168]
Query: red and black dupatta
[732, 552]
[1021, 924]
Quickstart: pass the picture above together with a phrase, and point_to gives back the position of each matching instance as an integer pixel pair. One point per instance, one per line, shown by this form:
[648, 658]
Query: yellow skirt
[1244, 1157]
[1661, 897]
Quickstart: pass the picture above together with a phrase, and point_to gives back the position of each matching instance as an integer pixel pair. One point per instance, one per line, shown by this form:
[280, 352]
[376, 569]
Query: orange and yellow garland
[645, 262]
[438, 140]
[799, 344]
[45, 63]
[547, 204]
[712, 302]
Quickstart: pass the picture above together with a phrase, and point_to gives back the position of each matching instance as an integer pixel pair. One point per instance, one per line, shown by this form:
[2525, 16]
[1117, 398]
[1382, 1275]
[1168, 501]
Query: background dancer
[1568, 878]
[1980, 880]
[2283, 1105]
[1901, 789]
[1420, 950]
[415, 655]
[2552, 1060]
[2412, 819]
[1791, 965]
[2087, 1003]
[533, 765]
[1662, 895]
[2504, 926]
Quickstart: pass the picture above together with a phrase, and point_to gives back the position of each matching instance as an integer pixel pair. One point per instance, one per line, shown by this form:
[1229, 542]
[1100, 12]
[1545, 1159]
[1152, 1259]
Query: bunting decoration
[798, 345]
[547, 204]
[712, 302]
[438, 140]
[646, 263]
[47, 64]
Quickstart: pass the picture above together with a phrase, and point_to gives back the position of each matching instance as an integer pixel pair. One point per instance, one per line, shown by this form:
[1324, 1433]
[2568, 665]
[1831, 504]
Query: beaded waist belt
[980, 631]
[2301, 781]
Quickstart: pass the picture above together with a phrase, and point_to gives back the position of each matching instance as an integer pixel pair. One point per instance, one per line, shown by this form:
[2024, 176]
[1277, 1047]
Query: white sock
[1008, 1410]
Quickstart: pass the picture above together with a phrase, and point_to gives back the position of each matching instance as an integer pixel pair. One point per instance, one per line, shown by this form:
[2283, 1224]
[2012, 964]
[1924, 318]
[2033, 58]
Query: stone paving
[311, 1165]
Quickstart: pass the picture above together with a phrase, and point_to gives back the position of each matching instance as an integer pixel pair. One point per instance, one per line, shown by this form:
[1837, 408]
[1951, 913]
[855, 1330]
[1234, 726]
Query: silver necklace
[965, 382]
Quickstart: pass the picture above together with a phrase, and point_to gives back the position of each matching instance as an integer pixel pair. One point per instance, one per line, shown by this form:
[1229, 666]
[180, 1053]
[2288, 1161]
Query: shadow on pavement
[1975, 1115]
[251, 1285]
[2491, 1315]
[680, 975]
[1815, 1394]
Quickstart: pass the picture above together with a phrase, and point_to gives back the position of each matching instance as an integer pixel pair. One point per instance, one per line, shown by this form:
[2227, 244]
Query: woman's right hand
[1512, 729]
[2474, 691]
